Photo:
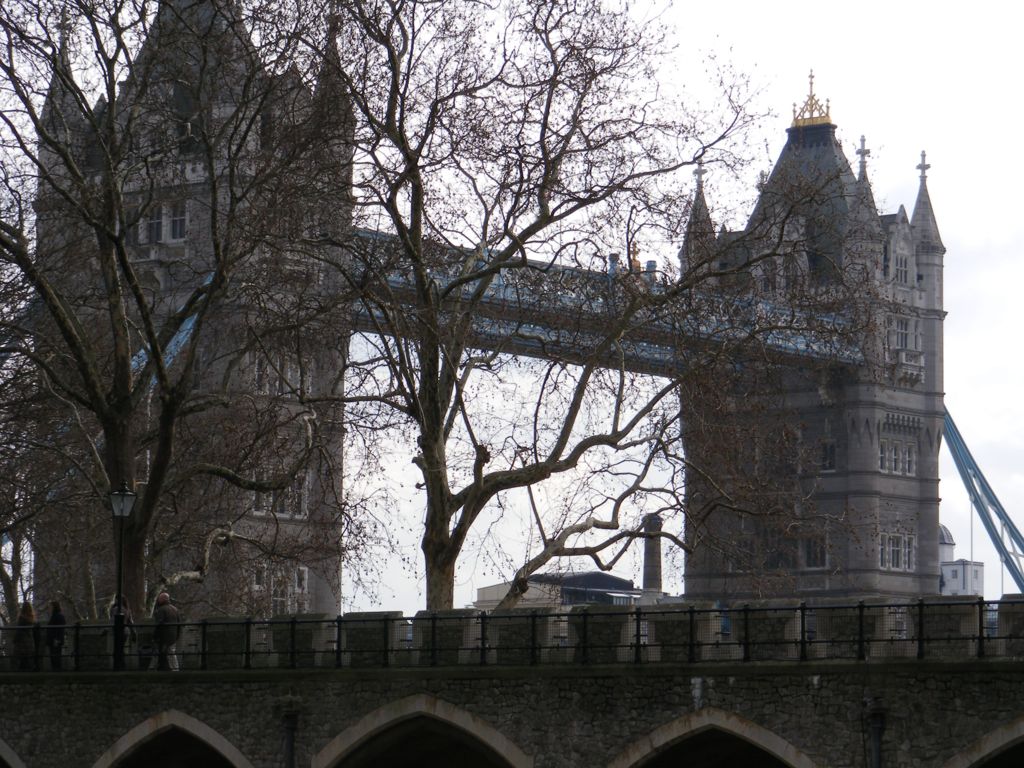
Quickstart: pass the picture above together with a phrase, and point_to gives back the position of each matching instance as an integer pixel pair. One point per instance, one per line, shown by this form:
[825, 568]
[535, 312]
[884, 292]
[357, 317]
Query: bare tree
[154, 161]
[504, 166]
[509, 153]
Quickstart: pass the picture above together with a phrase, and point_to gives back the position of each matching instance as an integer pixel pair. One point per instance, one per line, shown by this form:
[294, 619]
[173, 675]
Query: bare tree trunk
[135, 568]
[440, 573]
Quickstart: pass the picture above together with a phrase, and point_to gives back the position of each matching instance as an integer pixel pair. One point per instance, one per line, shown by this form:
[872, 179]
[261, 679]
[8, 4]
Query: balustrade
[680, 633]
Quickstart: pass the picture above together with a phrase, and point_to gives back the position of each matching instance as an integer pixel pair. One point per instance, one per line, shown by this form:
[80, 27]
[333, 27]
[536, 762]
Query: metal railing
[685, 633]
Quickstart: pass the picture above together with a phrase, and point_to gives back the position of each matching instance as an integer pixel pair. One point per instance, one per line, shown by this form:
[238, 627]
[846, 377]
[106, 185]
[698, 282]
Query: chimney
[651, 271]
[652, 557]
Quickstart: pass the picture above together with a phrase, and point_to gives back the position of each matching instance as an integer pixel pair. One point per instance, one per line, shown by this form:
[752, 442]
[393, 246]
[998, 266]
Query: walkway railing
[685, 633]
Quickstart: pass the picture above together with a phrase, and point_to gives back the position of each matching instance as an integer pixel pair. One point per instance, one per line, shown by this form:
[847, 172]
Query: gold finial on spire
[812, 112]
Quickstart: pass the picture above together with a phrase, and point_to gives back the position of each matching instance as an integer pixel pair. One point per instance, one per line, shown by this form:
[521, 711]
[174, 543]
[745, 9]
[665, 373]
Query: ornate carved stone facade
[864, 437]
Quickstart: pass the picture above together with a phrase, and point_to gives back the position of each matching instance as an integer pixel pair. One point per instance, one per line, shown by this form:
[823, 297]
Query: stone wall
[808, 714]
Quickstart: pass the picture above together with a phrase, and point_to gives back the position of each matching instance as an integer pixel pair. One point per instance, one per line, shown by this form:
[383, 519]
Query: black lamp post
[121, 502]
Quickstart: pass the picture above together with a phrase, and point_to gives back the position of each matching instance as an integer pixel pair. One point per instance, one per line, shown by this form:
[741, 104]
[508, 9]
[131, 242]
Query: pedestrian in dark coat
[55, 636]
[128, 632]
[166, 632]
[26, 640]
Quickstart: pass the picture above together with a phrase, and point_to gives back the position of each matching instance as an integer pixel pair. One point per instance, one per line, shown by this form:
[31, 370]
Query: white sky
[909, 76]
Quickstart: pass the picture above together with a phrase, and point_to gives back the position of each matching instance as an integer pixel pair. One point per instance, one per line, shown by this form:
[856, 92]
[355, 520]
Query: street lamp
[121, 502]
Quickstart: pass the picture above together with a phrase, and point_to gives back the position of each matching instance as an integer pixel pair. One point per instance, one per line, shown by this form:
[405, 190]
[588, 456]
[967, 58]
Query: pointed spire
[863, 153]
[62, 41]
[864, 208]
[333, 126]
[330, 67]
[926, 230]
[699, 175]
[62, 114]
[330, 96]
[699, 238]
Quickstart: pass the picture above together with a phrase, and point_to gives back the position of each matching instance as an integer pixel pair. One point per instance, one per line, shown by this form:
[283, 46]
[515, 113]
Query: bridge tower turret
[699, 239]
[929, 252]
[865, 519]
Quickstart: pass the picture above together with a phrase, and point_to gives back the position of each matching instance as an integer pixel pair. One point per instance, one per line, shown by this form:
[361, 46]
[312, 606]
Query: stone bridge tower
[222, 169]
[860, 438]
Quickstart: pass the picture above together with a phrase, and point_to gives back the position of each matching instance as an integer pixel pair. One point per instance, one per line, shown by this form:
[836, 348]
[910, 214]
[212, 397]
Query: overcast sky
[909, 77]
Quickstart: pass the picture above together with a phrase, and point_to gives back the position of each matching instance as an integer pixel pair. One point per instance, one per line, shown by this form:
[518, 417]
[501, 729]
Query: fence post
[636, 649]
[337, 642]
[533, 638]
[202, 644]
[386, 645]
[119, 638]
[920, 628]
[803, 631]
[746, 631]
[860, 631]
[248, 642]
[584, 638]
[291, 641]
[483, 638]
[433, 639]
[691, 654]
[981, 627]
[78, 645]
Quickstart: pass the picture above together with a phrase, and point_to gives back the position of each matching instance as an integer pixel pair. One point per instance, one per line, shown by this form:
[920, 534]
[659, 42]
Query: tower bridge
[877, 422]
[864, 516]
[815, 682]
[861, 517]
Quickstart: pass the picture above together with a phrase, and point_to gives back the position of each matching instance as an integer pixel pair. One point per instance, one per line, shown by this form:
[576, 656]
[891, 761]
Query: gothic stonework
[866, 517]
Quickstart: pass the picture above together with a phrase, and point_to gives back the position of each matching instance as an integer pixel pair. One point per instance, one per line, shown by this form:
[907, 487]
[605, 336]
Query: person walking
[55, 635]
[128, 631]
[26, 640]
[166, 632]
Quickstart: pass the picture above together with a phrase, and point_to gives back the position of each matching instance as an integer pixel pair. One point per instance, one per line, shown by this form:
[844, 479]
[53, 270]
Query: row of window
[955, 573]
[280, 377]
[292, 502]
[828, 456]
[778, 550]
[815, 552]
[903, 333]
[896, 457]
[288, 588]
[896, 552]
[163, 223]
[902, 266]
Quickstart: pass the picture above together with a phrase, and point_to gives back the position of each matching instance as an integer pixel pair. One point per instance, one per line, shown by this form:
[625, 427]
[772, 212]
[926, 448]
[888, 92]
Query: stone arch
[420, 705]
[989, 746]
[705, 719]
[162, 722]
[9, 757]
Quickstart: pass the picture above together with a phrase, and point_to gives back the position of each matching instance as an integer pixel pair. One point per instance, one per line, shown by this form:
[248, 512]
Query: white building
[555, 590]
[959, 577]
